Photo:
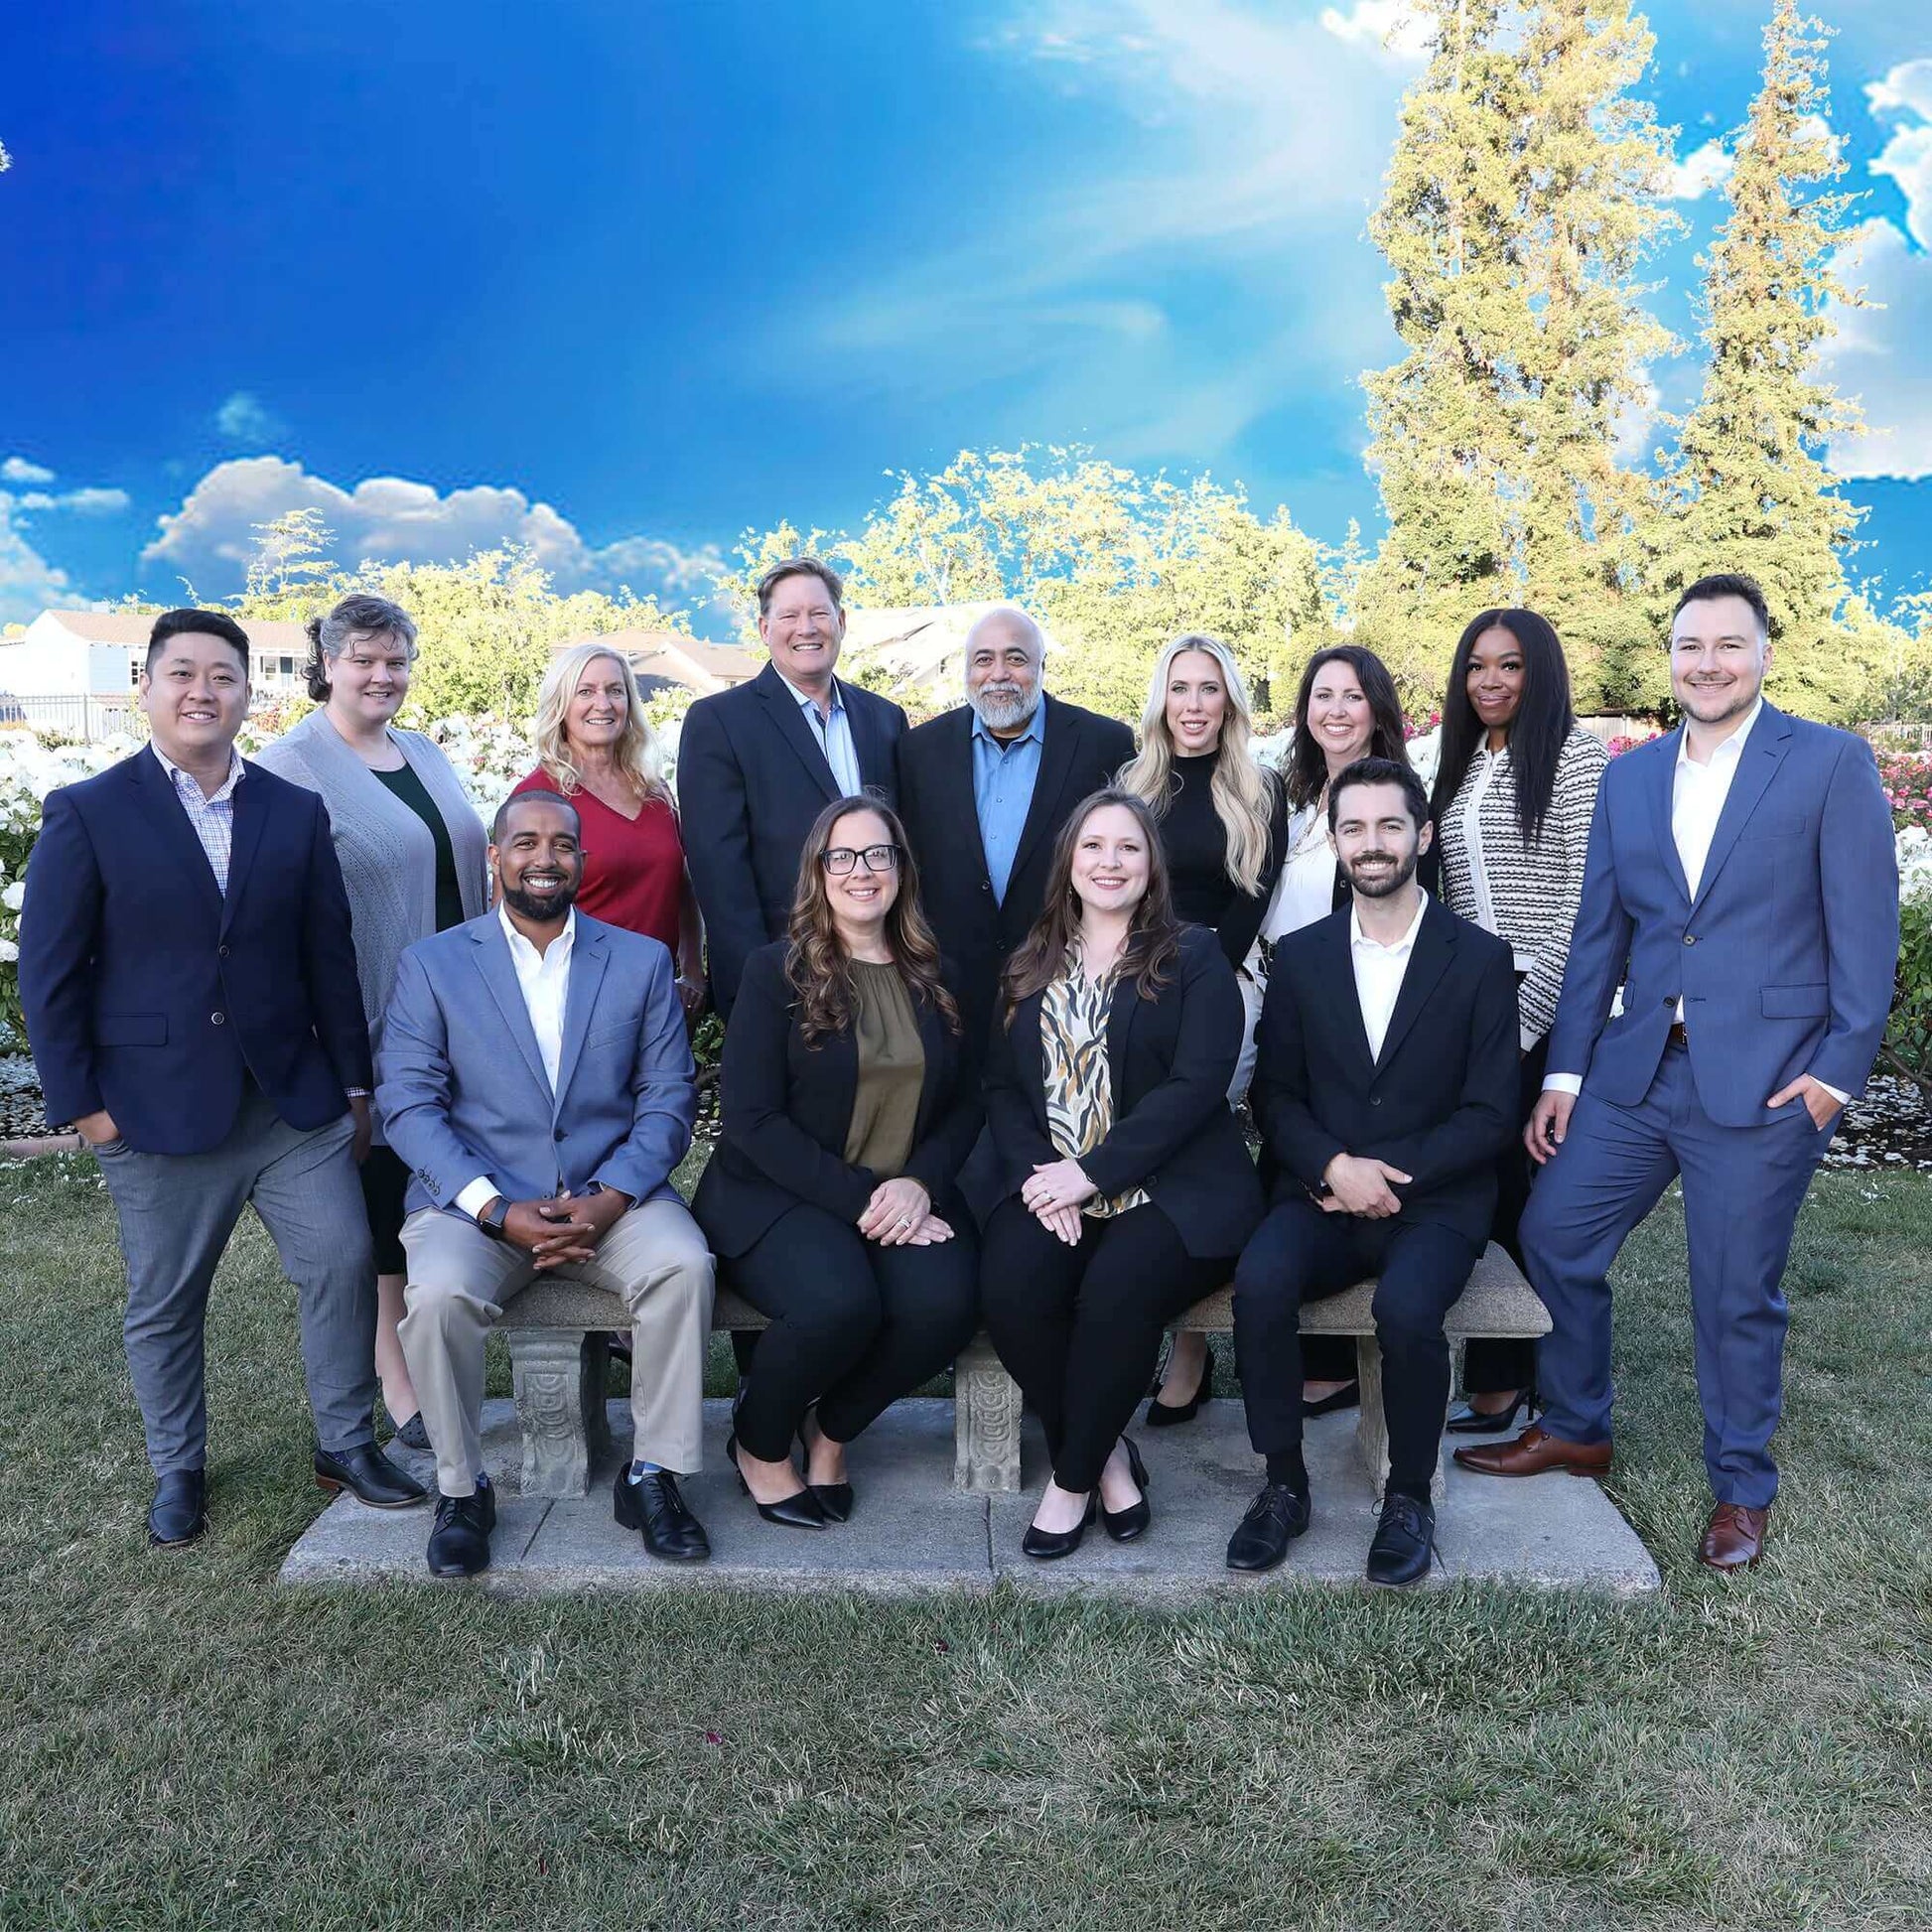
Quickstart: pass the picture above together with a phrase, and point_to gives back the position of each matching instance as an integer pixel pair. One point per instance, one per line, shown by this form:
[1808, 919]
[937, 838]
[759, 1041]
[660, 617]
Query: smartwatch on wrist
[491, 1216]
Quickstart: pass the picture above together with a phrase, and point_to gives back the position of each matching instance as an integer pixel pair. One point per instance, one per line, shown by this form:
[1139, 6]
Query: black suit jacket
[1441, 1102]
[750, 778]
[1079, 752]
[788, 1106]
[1171, 1059]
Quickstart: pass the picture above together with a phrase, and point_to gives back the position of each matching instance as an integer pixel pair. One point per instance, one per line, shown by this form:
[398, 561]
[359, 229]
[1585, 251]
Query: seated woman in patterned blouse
[1128, 1190]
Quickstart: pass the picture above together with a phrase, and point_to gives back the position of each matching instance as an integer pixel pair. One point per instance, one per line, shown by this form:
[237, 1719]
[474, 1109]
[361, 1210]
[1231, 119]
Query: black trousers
[1299, 1254]
[853, 1325]
[1079, 1329]
[1492, 1365]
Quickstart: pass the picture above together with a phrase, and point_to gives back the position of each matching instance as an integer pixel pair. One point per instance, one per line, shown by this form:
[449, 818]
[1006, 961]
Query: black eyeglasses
[840, 859]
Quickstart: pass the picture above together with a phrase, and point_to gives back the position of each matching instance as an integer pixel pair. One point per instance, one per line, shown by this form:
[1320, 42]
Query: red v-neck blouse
[633, 868]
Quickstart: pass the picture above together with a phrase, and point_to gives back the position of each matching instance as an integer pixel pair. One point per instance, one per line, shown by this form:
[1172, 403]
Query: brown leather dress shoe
[1533, 1452]
[1734, 1539]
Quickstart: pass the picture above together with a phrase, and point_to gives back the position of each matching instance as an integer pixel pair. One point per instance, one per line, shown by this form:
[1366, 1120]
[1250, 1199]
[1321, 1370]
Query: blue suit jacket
[146, 991]
[460, 1087]
[1785, 958]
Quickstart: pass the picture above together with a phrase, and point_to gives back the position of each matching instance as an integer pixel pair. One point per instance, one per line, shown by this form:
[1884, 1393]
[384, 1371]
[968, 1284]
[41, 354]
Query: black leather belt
[1678, 1036]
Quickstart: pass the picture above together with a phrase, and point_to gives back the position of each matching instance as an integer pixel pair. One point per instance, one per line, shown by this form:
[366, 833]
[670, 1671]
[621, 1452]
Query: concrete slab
[913, 1532]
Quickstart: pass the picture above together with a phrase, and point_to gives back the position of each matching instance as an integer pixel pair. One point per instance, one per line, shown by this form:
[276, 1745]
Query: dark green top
[891, 1069]
[405, 785]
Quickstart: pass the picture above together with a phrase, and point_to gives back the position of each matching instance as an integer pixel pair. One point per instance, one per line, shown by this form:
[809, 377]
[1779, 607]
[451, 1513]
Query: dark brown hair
[816, 964]
[1307, 764]
[801, 567]
[1727, 583]
[1153, 940]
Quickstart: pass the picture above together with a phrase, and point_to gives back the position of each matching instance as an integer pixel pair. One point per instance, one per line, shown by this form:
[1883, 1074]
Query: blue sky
[622, 279]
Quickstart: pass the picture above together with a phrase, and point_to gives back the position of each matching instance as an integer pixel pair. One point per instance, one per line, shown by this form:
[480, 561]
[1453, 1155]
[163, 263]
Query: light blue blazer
[460, 1081]
[1785, 958]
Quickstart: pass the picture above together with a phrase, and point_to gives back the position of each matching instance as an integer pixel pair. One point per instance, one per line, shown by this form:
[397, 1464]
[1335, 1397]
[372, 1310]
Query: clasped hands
[1053, 1193]
[899, 1215]
[1360, 1185]
[566, 1229]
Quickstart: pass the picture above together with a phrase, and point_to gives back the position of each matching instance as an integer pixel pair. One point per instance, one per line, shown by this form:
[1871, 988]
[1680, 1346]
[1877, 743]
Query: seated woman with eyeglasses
[850, 1098]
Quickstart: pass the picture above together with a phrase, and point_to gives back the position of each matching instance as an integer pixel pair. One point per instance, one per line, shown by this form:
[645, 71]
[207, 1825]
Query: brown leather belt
[1678, 1036]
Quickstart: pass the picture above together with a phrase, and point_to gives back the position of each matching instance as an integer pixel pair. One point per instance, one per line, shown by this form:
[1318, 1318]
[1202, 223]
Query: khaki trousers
[459, 1279]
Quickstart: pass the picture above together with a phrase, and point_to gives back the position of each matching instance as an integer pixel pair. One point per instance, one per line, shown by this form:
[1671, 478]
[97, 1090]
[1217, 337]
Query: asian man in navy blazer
[1741, 889]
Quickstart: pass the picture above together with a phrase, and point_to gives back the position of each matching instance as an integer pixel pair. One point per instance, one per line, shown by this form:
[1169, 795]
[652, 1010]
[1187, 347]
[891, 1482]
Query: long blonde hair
[1244, 788]
[636, 754]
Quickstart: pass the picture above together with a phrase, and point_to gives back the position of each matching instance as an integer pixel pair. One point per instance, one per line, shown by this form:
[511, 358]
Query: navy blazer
[147, 992]
[1784, 960]
[788, 1106]
[1171, 1059]
[1441, 1100]
[750, 778]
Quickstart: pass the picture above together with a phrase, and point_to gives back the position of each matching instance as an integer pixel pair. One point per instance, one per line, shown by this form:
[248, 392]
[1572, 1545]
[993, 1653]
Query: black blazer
[1171, 1058]
[1441, 1102]
[750, 778]
[1079, 752]
[788, 1106]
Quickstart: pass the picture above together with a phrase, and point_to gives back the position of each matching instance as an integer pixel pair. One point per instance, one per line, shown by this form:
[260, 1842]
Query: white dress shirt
[833, 732]
[1379, 973]
[544, 977]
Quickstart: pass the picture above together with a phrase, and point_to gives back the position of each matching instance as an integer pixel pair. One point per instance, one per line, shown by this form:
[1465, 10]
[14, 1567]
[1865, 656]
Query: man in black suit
[984, 790]
[1385, 1087]
[757, 765]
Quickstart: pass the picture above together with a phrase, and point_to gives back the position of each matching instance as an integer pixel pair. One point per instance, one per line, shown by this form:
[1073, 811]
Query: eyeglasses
[840, 859]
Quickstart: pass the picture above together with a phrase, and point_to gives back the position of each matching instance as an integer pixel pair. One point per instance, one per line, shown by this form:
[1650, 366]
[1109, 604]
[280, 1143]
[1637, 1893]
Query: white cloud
[1389, 26]
[1702, 169]
[28, 582]
[244, 419]
[1907, 88]
[88, 500]
[209, 539]
[17, 469]
[1634, 433]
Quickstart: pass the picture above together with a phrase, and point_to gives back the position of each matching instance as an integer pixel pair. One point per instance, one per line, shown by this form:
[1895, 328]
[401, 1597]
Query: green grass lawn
[184, 1743]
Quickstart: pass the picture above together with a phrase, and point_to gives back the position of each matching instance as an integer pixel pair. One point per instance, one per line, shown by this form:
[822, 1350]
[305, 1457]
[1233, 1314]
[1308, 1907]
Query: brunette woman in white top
[1515, 789]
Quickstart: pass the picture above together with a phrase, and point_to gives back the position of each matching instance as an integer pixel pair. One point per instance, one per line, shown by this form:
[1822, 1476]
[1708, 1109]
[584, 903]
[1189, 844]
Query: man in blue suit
[1741, 890]
[189, 989]
[536, 1077]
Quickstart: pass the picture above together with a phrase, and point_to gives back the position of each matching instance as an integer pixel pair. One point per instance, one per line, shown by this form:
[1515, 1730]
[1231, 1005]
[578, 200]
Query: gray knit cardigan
[387, 852]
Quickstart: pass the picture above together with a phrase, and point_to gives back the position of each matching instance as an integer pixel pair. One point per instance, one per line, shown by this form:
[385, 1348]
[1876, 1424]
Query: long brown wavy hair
[1153, 939]
[817, 963]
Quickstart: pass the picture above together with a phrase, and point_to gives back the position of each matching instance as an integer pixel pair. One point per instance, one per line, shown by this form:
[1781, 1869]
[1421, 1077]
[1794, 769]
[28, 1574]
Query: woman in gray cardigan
[413, 854]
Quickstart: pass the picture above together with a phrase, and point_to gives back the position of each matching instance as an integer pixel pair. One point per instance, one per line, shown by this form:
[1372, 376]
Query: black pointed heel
[802, 1511]
[1045, 1544]
[835, 1498]
[1162, 1415]
[1126, 1524]
[1468, 1420]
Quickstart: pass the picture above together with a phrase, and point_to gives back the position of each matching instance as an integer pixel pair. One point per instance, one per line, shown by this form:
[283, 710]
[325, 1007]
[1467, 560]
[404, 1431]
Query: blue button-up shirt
[1004, 777]
[833, 734]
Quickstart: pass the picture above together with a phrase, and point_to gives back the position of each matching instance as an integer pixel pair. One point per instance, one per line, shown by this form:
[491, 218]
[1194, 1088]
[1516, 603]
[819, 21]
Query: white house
[99, 654]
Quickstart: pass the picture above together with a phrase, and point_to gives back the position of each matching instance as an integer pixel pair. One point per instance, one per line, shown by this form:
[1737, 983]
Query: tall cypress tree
[1747, 488]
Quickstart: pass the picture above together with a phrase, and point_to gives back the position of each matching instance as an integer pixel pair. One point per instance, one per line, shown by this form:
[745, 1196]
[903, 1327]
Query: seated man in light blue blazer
[1741, 889]
[536, 1078]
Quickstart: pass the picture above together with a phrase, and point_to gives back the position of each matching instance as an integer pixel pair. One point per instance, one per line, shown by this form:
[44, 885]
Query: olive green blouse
[891, 1069]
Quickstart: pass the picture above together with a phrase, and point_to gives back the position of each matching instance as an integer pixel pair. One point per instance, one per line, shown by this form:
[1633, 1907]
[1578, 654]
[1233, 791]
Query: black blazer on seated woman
[1171, 1059]
[786, 1108]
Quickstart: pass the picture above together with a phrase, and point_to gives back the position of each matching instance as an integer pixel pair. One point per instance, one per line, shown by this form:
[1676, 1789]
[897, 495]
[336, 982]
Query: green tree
[1747, 487]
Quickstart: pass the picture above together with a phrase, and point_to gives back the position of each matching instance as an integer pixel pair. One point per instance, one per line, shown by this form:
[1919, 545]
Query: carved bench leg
[1372, 1429]
[557, 1376]
[986, 1423]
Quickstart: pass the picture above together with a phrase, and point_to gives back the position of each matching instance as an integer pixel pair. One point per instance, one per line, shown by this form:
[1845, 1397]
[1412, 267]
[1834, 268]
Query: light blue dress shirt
[1004, 777]
[833, 734]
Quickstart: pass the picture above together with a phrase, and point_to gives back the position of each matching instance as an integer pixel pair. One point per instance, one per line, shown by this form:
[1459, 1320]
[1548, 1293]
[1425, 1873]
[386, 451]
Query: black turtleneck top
[1197, 847]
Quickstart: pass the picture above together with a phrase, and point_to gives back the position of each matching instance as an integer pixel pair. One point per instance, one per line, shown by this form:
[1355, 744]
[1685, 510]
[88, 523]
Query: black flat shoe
[1404, 1538]
[412, 1435]
[370, 1476]
[459, 1539]
[1468, 1420]
[1048, 1544]
[1348, 1396]
[1160, 1415]
[1274, 1519]
[802, 1511]
[1126, 1524]
[179, 1512]
[651, 1503]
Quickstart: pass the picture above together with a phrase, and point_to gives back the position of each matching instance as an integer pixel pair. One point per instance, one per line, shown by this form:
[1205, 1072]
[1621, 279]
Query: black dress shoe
[179, 1512]
[1162, 1415]
[835, 1498]
[801, 1511]
[459, 1540]
[651, 1503]
[1126, 1524]
[1348, 1396]
[1274, 1519]
[1404, 1538]
[1470, 1421]
[1048, 1544]
[413, 1434]
[370, 1476]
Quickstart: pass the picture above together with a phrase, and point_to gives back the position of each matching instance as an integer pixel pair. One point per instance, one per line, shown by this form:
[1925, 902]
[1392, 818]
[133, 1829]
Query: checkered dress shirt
[211, 818]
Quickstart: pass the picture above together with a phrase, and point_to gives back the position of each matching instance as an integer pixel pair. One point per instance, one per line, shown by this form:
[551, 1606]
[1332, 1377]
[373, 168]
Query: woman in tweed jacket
[1515, 789]
[414, 859]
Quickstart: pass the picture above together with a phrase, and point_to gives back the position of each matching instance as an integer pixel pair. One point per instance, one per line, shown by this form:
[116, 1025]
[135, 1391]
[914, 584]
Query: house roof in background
[270, 636]
[674, 657]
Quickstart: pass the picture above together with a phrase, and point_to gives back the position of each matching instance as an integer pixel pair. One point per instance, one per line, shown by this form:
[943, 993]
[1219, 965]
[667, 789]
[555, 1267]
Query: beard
[1382, 885]
[542, 910]
[1004, 707]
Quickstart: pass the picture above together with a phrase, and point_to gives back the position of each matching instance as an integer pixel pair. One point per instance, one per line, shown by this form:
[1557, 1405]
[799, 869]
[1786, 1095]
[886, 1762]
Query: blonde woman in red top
[596, 747]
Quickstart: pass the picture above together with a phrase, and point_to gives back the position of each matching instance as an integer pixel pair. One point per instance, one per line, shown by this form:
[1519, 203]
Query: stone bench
[558, 1329]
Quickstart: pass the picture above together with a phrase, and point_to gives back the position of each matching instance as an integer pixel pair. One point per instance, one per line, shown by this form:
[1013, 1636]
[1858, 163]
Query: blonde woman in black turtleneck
[1223, 821]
